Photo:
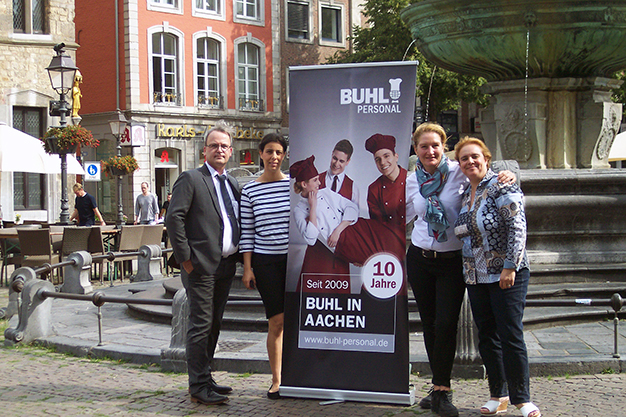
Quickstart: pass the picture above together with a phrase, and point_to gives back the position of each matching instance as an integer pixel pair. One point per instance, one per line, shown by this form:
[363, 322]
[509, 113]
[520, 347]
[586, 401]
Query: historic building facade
[29, 29]
[177, 67]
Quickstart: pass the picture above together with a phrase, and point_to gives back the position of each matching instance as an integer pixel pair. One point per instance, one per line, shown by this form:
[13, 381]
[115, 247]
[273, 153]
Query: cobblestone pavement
[35, 382]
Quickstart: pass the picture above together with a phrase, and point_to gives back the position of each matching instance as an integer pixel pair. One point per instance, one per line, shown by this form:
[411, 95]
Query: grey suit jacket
[194, 220]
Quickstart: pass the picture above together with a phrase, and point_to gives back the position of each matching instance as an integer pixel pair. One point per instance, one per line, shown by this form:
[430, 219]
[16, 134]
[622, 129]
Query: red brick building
[174, 68]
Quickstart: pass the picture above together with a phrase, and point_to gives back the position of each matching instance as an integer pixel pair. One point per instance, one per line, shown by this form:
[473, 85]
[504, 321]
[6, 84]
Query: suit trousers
[207, 295]
[439, 288]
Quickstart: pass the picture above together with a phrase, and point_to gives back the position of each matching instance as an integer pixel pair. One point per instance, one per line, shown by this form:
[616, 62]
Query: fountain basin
[568, 38]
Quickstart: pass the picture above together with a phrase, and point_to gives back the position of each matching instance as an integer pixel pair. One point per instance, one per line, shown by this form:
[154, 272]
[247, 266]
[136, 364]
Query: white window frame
[258, 20]
[222, 66]
[166, 29]
[262, 73]
[336, 6]
[163, 6]
[208, 14]
[28, 24]
[309, 37]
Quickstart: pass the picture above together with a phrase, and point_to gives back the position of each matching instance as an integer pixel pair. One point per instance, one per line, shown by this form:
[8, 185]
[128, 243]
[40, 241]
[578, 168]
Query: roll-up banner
[346, 315]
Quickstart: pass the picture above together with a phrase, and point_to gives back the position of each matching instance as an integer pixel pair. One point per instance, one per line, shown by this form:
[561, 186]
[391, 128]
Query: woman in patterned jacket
[492, 228]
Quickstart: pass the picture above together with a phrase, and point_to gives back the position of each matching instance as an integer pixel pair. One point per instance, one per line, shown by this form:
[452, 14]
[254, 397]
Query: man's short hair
[77, 187]
[147, 185]
[222, 127]
[344, 146]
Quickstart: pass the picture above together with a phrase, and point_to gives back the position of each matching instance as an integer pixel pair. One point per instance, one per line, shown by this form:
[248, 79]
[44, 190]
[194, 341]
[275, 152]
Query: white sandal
[528, 409]
[494, 407]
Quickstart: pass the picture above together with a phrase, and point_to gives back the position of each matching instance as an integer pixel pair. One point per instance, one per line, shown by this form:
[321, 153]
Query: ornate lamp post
[118, 126]
[62, 71]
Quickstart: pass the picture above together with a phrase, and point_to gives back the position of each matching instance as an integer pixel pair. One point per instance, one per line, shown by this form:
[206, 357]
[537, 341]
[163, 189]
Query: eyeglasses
[216, 146]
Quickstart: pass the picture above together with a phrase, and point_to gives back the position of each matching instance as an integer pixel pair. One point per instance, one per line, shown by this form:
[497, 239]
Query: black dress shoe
[442, 404]
[273, 395]
[220, 389]
[208, 398]
[426, 402]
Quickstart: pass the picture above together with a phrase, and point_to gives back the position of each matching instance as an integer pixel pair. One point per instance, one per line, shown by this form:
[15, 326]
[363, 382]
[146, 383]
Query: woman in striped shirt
[264, 242]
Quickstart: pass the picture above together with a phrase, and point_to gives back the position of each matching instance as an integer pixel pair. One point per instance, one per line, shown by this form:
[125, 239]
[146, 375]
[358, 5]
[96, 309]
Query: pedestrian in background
[85, 208]
[146, 206]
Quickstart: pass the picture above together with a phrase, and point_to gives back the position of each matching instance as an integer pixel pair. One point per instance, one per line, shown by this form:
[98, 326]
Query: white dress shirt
[332, 209]
[340, 178]
[228, 248]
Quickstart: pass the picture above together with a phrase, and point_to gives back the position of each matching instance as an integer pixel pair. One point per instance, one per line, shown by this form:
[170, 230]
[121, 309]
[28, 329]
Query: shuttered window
[298, 20]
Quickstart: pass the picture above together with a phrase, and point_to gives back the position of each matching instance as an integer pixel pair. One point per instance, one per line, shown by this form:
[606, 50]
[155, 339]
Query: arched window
[165, 74]
[208, 76]
[248, 77]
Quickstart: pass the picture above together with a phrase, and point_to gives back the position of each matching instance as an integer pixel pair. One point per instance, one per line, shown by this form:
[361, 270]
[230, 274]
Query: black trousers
[207, 296]
[439, 288]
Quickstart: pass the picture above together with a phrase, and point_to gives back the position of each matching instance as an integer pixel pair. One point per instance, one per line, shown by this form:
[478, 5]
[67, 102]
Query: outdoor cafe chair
[97, 247]
[74, 239]
[11, 253]
[130, 240]
[152, 235]
[36, 247]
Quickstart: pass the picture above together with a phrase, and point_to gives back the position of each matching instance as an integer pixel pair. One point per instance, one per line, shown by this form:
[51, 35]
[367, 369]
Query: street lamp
[62, 71]
[118, 127]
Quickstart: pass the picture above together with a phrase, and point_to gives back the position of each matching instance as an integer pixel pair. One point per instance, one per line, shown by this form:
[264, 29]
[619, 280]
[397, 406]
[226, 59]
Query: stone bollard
[174, 358]
[467, 362]
[35, 312]
[148, 264]
[77, 277]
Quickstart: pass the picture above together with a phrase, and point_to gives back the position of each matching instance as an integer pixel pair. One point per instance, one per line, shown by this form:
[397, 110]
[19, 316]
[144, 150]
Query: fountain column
[558, 123]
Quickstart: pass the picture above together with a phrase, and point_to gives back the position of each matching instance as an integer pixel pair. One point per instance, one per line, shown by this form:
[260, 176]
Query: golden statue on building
[76, 94]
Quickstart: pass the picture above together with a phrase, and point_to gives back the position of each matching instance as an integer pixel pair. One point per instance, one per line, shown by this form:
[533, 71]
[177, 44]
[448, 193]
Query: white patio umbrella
[20, 152]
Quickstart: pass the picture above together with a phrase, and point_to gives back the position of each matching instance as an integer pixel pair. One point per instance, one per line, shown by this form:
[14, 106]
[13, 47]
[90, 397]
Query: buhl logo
[373, 100]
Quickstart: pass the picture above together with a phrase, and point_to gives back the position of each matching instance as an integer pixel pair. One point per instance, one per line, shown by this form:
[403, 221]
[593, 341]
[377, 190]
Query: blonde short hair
[472, 141]
[429, 127]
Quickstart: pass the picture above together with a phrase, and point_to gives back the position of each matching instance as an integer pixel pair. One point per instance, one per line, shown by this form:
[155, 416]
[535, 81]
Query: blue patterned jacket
[493, 231]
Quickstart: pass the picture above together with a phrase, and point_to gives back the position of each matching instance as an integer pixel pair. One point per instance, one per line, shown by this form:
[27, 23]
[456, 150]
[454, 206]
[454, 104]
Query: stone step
[245, 312]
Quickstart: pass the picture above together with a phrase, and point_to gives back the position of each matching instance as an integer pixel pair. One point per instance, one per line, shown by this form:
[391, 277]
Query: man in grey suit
[202, 226]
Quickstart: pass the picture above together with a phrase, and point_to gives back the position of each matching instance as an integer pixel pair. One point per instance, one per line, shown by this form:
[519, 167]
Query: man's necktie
[229, 209]
[334, 186]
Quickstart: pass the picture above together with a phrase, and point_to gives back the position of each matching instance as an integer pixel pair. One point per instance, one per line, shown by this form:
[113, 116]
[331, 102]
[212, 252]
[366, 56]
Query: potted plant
[59, 140]
[119, 165]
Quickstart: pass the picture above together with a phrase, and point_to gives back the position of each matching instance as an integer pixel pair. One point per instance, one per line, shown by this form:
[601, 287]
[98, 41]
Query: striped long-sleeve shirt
[265, 212]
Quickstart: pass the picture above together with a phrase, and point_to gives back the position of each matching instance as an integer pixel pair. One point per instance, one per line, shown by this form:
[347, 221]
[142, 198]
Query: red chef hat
[378, 142]
[303, 170]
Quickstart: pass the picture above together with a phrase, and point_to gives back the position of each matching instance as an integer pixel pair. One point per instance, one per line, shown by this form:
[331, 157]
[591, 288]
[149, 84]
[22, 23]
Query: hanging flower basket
[64, 140]
[53, 146]
[119, 165]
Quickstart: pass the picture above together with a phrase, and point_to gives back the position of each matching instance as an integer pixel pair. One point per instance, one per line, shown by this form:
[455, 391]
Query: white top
[450, 196]
[227, 240]
[340, 178]
[332, 209]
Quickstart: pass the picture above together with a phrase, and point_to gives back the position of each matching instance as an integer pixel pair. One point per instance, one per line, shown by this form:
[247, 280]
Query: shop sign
[133, 136]
[185, 131]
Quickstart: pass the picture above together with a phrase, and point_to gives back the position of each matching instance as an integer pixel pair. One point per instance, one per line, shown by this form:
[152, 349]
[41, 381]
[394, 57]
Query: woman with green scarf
[434, 263]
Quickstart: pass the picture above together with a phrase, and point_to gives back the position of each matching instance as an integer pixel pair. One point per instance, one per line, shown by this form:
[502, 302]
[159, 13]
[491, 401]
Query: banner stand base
[407, 399]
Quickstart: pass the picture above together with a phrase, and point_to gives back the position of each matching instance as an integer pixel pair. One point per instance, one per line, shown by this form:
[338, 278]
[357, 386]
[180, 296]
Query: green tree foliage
[387, 38]
[619, 94]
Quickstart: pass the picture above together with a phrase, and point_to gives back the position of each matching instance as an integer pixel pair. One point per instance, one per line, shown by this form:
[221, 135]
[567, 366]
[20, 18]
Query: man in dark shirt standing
[85, 208]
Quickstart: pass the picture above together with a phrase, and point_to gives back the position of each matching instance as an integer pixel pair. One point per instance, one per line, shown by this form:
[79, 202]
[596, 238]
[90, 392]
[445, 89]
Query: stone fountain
[548, 65]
